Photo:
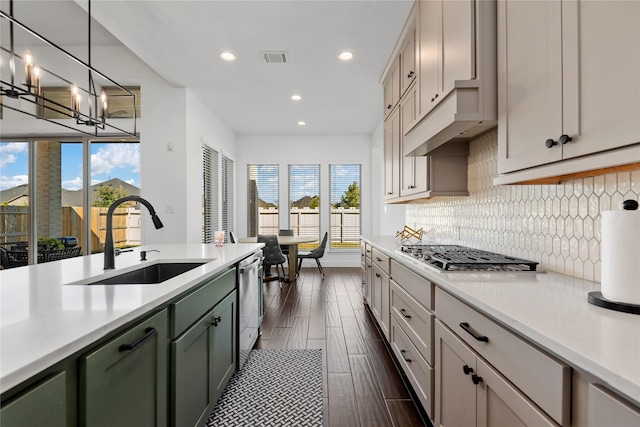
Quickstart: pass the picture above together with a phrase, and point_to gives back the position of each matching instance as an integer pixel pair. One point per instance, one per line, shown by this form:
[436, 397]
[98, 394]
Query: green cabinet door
[124, 382]
[191, 396]
[224, 344]
[203, 359]
[42, 405]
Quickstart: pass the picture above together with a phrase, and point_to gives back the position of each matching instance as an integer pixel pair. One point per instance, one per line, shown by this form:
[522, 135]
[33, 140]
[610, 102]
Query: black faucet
[109, 251]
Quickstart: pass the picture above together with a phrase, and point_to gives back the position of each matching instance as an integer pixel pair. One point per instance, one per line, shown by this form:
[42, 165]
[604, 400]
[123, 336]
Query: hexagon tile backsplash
[556, 225]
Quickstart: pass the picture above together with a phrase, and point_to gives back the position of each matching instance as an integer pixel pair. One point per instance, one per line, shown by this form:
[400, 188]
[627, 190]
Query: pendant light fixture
[88, 108]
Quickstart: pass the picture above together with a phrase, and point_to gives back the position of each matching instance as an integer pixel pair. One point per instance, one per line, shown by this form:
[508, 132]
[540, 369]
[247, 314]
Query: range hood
[461, 116]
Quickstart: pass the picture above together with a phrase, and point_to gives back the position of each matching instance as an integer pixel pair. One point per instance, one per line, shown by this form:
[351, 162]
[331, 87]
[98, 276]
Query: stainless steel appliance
[450, 258]
[248, 305]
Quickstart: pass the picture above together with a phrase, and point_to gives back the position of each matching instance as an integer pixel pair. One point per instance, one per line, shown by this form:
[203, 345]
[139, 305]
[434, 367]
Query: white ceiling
[182, 40]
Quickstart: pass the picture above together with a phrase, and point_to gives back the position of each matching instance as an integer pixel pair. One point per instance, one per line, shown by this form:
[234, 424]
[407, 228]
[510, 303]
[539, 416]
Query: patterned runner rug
[275, 388]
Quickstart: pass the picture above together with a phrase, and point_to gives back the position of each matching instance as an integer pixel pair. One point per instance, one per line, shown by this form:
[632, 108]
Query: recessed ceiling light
[296, 97]
[228, 56]
[301, 123]
[346, 56]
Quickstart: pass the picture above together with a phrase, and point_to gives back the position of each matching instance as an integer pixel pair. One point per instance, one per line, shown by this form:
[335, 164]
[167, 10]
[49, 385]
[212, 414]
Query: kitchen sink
[151, 274]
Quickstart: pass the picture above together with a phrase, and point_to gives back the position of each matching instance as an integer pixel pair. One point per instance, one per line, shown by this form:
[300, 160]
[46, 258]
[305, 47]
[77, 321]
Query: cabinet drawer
[190, 308]
[542, 378]
[419, 288]
[367, 250]
[419, 372]
[415, 320]
[380, 259]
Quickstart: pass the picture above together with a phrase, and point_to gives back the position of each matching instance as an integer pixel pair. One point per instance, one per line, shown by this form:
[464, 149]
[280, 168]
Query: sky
[108, 160]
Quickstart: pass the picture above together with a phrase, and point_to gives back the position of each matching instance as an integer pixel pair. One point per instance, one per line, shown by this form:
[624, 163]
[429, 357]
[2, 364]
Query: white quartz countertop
[551, 311]
[45, 317]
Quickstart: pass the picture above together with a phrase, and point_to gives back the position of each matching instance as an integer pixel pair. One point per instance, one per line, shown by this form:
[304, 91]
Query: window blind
[209, 193]
[227, 195]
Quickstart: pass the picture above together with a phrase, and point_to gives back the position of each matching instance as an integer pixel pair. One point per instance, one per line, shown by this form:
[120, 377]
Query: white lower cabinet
[415, 367]
[516, 383]
[469, 392]
[595, 405]
[380, 297]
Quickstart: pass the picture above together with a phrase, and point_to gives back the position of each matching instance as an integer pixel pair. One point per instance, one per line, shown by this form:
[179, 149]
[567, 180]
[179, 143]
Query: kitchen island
[547, 313]
[49, 314]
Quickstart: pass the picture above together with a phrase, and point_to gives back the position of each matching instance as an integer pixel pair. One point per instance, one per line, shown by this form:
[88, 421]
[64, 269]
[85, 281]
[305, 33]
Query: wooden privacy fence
[345, 225]
[14, 225]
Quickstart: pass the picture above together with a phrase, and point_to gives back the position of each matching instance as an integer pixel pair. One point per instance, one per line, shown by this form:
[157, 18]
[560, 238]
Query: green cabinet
[203, 357]
[124, 382]
[224, 344]
[40, 405]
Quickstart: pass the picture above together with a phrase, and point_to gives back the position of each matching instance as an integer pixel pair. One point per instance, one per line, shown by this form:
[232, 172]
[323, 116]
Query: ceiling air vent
[275, 57]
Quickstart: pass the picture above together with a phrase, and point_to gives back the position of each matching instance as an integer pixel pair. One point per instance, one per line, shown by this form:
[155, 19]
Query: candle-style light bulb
[75, 101]
[36, 80]
[103, 105]
[28, 68]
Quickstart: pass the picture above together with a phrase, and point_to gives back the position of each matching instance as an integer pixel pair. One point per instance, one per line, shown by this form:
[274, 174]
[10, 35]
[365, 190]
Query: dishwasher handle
[252, 266]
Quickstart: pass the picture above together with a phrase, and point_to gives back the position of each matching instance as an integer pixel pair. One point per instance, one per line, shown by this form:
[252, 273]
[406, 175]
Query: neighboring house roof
[10, 195]
[303, 202]
[74, 198]
[19, 195]
[263, 204]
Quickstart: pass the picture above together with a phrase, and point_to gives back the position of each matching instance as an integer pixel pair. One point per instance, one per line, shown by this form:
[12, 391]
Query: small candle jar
[219, 238]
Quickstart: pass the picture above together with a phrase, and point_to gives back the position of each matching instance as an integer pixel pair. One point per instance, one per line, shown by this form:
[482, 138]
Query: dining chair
[272, 255]
[285, 232]
[316, 254]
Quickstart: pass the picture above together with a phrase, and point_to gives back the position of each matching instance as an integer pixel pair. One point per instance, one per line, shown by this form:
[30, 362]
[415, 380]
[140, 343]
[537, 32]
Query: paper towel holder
[598, 299]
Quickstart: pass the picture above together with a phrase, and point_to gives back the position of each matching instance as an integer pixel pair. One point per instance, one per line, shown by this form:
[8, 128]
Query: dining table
[292, 242]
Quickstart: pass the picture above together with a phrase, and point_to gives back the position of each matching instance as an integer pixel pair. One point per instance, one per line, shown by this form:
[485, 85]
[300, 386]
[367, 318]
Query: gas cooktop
[461, 258]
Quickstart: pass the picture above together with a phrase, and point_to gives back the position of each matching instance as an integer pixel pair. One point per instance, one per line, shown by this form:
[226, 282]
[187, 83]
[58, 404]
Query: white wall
[302, 149]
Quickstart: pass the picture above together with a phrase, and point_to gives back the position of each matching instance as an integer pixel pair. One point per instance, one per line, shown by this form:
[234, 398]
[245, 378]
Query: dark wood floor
[362, 386]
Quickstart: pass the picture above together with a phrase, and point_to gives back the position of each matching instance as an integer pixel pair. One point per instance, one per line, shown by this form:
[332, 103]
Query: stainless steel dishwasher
[249, 305]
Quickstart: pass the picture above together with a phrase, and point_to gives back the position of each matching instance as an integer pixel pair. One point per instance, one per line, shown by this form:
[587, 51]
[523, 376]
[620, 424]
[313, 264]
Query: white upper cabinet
[392, 89]
[392, 155]
[457, 73]
[568, 84]
[408, 64]
[448, 49]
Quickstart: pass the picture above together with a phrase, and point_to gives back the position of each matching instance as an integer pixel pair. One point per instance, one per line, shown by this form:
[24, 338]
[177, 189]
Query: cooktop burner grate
[461, 258]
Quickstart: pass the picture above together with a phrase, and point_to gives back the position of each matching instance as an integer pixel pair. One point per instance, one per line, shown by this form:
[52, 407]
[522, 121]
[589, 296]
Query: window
[121, 102]
[262, 199]
[72, 174]
[345, 206]
[304, 202]
[227, 194]
[58, 102]
[115, 173]
[209, 193]
[14, 196]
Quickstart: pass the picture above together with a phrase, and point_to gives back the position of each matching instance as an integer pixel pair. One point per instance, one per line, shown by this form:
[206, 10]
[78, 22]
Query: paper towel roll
[620, 256]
